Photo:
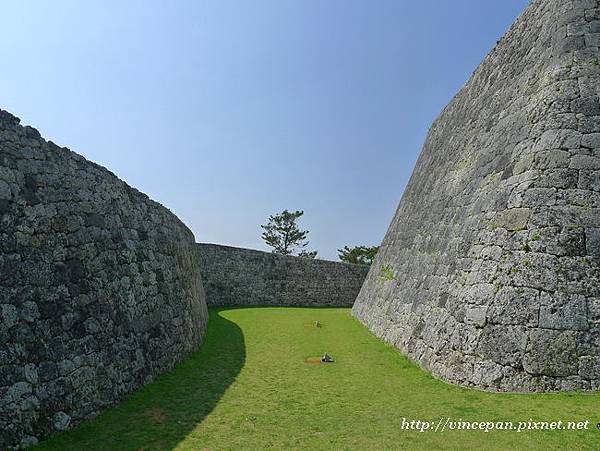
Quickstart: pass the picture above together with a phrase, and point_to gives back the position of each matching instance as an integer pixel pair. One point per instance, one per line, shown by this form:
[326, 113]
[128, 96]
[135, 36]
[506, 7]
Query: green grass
[249, 388]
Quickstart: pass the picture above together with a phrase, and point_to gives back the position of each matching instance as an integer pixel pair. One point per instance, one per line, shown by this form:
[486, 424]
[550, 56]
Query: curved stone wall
[488, 274]
[236, 276]
[100, 288]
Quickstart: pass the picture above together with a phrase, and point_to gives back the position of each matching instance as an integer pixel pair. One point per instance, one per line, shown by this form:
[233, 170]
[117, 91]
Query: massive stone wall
[235, 276]
[100, 288]
[489, 274]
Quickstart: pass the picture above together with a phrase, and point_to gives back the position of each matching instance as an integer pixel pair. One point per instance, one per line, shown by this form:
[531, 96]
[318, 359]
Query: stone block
[551, 353]
[563, 311]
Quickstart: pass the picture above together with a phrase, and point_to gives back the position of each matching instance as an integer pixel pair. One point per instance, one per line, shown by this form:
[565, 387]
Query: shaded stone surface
[100, 288]
[236, 276]
[495, 246]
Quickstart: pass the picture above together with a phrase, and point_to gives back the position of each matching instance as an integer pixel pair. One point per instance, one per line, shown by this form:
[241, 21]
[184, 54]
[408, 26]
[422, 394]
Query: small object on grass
[317, 324]
[326, 358]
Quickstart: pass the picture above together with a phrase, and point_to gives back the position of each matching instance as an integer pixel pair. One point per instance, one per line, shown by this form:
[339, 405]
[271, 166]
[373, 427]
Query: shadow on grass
[163, 413]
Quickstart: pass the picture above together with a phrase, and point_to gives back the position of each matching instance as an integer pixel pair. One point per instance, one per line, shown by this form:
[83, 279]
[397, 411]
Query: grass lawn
[249, 388]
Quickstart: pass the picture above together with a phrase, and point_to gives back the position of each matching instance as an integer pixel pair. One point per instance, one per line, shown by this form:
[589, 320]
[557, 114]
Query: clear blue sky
[228, 111]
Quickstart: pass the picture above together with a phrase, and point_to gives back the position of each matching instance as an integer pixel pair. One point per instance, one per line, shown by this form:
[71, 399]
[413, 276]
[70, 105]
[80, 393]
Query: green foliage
[525, 247]
[359, 255]
[386, 272]
[308, 254]
[535, 236]
[463, 164]
[248, 388]
[284, 236]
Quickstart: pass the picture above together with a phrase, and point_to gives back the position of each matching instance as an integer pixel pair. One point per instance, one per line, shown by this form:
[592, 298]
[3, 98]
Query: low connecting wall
[100, 288]
[235, 276]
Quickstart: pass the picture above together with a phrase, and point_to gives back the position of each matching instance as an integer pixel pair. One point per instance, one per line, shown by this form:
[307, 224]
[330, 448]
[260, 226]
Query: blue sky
[229, 111]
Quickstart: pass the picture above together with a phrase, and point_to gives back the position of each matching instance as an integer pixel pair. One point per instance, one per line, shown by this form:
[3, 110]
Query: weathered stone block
[589, 367]
[9, 314]
[552, 159]
[562, 311]
[486, 374]
[592, 40]
[592, 241]
[476, 315]
[559, 139]
[503, 344]
[551, 353]
[587, 162]
[515, 305]
[512, 219]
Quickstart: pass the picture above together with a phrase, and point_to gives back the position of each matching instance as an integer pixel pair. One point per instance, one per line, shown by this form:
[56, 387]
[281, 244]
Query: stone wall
[100, 289]
[489, 273]
[235, 276]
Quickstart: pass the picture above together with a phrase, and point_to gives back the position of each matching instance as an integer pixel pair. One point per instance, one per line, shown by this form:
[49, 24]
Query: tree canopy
[359, 255]
[283, 234]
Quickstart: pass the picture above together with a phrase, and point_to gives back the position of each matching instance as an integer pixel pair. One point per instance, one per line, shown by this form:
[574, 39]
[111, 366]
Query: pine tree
[283, 234]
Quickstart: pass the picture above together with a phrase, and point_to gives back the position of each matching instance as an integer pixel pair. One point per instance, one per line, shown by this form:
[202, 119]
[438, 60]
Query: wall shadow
[161, 414]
